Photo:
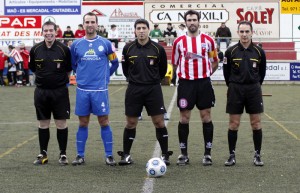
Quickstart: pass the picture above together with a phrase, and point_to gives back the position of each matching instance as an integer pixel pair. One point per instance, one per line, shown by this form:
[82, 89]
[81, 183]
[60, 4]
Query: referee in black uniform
[144, 64]
[50, 60]
[244, 71]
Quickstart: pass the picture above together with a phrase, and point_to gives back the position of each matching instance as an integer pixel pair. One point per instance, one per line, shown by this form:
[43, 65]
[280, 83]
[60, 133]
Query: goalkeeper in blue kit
[90, 60]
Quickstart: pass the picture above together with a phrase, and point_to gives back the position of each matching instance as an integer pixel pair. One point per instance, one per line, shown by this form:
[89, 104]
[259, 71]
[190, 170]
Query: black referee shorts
[195, 92]
[150, 96]
[248, 96]
[56, 101]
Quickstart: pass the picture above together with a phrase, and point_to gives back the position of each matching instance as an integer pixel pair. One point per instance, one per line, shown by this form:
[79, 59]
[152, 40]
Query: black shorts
[56, 101]
[149, 96]
[19, 66]
[248, 96]
[198, 92]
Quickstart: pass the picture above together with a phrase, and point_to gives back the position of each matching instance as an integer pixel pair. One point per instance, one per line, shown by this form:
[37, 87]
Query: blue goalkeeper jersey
[90, 61]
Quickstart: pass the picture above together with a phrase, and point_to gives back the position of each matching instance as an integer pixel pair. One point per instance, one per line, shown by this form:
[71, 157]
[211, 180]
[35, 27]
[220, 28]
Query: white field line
[149, 182]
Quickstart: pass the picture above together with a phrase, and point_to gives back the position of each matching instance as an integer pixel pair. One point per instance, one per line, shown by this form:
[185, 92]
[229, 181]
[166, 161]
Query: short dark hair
[191, 12]
[91, 14]
[113, 25]
[245, 23]
[11, 47]
[49, 23]
[143, 21]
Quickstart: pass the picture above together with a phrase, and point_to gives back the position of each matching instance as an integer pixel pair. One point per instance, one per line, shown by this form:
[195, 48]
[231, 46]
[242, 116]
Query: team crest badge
[58, 65]
[151, 61]
[100, 48]
[254, 65]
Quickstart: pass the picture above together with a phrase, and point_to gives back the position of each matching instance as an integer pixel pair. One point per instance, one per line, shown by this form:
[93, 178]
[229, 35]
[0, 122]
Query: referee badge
[58, 65]
[224, 60]
[151, 61]
[254, 65]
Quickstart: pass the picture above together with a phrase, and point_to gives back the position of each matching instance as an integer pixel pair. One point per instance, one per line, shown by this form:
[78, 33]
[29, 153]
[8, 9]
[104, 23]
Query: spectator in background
[102, 31]
[25, 56]
[170, 34]
[223, 34]
[182, 30]
[113, 35]
[3, 58]
[70, 42]
[59, 33]
[68, 34]
[80, 32]
[220, 55]
[156, 33]
[18, 62]
[11, 71]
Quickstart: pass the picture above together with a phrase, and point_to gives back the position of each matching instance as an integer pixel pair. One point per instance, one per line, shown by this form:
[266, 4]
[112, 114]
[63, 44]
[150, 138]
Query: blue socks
[81, 138]
[106, 135]
[107, 138]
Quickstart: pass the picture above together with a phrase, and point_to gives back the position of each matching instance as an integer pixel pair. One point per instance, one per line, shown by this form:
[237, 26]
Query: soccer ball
[156, 167]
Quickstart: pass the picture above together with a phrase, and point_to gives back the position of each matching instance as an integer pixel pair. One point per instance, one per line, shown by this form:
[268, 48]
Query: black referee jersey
[50, 65]
[244, 65]
[144, 64]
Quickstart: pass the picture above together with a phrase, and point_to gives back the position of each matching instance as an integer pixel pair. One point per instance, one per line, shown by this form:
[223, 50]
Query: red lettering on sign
[20, 22]
[257, 17]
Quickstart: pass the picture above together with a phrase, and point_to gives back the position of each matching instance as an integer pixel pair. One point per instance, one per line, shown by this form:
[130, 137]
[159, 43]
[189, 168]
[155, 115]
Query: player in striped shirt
[195, 57]
[15, 55]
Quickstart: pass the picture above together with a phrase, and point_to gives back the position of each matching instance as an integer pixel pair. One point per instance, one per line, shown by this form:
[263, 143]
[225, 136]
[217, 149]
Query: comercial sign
[290, 6]
[275, 71]
[295, 71]
[20, 21]
[263, 16]
[123, 14]
[42, 7]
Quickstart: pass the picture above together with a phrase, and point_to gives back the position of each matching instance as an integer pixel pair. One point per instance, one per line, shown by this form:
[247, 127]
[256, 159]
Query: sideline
[149, 182]
[283, 127]
[35, 136]
[17, 146]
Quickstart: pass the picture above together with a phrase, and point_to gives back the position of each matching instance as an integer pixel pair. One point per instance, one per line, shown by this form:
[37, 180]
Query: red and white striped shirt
[15, 54]
[194, 56]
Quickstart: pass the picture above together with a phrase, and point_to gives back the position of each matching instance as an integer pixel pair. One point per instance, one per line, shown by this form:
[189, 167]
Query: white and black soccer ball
[156, 167]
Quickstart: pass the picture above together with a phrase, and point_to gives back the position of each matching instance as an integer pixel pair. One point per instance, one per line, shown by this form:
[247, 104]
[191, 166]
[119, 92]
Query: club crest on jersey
[90, 45]
[151, 61]
[58, 65]
[254, 65]
[203, 45]
[100, 48]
